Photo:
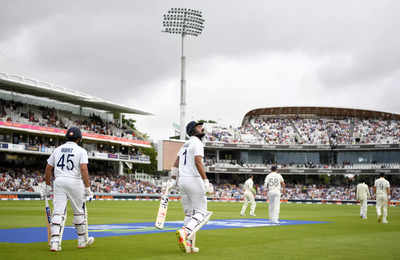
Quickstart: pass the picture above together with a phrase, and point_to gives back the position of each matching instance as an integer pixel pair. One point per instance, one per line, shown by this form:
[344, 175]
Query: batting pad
[39, 234]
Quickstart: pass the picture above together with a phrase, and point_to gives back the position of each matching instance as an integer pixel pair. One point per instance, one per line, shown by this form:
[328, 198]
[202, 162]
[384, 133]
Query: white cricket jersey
[67, 159]
[187, 167]
[273, 181]
[248, 185]
[362, 192]
[381, 185]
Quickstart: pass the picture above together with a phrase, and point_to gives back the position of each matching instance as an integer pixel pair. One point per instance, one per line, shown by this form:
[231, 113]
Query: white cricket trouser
[193, 196]
[274, 205]
[68, 189]
[363, 207]
[248, 197]
[382, 203]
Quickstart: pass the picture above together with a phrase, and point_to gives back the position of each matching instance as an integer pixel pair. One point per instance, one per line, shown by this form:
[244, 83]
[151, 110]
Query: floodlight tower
[183, 21]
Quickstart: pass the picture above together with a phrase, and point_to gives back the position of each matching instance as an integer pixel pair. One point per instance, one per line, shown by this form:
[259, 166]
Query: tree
[129, 122]
[147, 168]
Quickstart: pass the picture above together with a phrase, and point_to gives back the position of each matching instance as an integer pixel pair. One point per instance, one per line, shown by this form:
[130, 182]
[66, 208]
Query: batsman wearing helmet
[193, 185]
[69, 163]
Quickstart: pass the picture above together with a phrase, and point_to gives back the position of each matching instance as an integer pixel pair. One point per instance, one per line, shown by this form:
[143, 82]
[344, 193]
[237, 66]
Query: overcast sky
[252, 54]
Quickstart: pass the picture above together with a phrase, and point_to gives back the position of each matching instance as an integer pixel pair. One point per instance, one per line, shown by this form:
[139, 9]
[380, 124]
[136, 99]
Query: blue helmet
[190, 127]
[73, 134]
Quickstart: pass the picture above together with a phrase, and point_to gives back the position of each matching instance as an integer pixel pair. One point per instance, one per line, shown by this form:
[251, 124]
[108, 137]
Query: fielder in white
[382, 192]
[249, 193]
[274, 182]
[362, 195]
[69, 163]
[193, 185]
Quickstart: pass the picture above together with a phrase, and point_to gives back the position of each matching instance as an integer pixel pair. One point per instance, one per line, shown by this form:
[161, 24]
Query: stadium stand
[34, 117]
[318, 126]
[50, 117]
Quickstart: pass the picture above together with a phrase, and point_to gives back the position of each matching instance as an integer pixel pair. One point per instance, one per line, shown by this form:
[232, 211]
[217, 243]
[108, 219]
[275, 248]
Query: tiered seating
[312, 131]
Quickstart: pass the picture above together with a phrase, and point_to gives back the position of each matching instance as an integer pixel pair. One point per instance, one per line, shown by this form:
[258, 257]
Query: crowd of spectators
[259, 130]
[312, 131]
[324, 192]
[47, 144]
[226, 134]
[275, 131]
[309, 165]
[299, 192]
[49, 117]
[17, 112]
[377, 131]
[249, 134]
[296, 130]
[122, 184]
[320, 192]
[19, 180]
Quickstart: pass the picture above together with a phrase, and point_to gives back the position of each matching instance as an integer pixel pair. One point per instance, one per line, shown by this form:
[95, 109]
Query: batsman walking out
[193, 185]
[69, 164]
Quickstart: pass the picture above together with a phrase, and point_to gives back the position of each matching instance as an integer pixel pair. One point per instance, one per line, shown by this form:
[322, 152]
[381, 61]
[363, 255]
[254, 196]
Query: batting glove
[88, 194]
[208, 187]
[46, 192]
[171, 183]
[174, 172]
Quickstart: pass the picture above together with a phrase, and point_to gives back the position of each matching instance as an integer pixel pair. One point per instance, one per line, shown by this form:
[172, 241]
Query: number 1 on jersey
[185, 153]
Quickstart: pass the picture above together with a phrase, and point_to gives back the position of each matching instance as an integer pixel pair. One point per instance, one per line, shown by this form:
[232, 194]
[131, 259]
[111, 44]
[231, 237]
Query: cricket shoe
[82, 243]
[183, 242]
[242, 214]
[385, 222]
[194, 249]
[55, 246]
[253, 215]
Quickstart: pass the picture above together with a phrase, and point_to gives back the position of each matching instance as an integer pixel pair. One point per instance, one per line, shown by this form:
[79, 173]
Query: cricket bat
[162, 210]
[48, 218]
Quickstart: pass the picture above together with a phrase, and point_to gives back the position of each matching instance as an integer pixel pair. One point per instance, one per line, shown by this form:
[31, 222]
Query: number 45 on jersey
[66, 161]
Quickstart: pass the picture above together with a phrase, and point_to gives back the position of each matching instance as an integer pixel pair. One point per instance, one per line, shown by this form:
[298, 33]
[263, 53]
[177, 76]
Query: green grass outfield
[348, 237]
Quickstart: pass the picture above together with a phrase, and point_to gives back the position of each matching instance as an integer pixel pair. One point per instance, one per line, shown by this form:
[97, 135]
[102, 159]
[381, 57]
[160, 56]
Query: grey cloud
[95, 37]
[375, 59]
[364, 68]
